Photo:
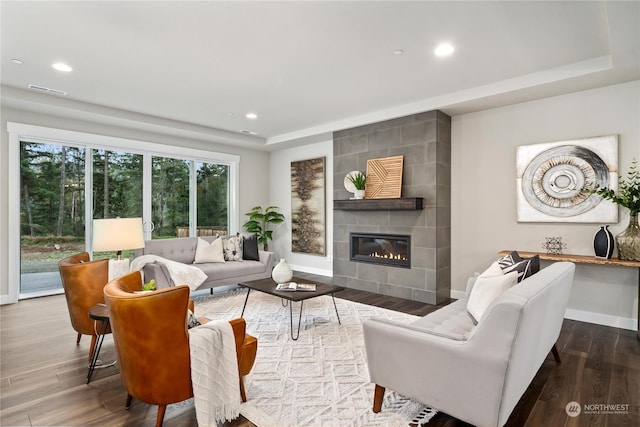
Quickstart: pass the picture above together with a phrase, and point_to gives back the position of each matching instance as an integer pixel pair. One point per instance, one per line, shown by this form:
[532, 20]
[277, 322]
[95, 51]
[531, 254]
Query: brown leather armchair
[83, 281]
[152, 342]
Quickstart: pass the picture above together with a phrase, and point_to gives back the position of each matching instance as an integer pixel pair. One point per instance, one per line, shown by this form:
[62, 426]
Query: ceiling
[305, 68]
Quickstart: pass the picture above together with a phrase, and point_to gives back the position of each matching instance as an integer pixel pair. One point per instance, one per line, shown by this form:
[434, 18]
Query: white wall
[484, 200]
[254, 186]
[280, 195]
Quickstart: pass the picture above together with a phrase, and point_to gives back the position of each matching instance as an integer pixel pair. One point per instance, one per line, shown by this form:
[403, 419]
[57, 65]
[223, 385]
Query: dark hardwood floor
[43, 374]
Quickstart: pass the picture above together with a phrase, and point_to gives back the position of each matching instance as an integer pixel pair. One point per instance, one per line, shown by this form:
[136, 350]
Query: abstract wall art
[384, 178]
[551, 177]
[308, 206]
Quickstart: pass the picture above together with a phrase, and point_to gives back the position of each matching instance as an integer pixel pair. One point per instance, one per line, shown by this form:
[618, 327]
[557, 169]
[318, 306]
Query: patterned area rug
[321, 380]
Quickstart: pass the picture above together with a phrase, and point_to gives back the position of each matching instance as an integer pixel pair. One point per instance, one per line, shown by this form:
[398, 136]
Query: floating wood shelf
[580, 259]
[400, 204]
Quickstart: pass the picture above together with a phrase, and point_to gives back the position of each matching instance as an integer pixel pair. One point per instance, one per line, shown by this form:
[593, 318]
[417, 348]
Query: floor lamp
[117, 234]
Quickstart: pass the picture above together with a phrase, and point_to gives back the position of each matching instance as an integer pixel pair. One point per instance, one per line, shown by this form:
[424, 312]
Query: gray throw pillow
[250, 248]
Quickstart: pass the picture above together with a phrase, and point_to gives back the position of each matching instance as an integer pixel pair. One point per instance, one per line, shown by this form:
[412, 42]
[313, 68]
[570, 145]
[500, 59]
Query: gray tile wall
[424, 140]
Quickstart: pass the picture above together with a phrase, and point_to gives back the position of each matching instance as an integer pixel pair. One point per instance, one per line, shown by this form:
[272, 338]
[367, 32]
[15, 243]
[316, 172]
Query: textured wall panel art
[308, 206]
[550, 178]
[384, 178]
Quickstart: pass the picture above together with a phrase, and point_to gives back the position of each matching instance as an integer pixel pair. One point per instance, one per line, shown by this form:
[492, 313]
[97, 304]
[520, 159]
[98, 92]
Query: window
[52, 205]
[212, 183]
[66, 179]
[117, 184]
[170, 195]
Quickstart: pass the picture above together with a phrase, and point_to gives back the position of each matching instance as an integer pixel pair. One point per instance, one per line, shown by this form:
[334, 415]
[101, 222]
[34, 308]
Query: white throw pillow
[487, 287]
[493, 270]
[209, 252]
[470, 282]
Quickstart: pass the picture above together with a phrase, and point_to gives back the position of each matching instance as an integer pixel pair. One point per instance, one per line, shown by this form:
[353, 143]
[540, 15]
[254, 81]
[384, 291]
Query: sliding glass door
[116, 188]
[52, 207]
[175, 205]
[212, 199]
[170, 197]
[60, 181]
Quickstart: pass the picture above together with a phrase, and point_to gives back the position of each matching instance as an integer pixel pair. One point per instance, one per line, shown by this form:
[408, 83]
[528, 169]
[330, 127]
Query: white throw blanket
[181, 274]
[214, 373]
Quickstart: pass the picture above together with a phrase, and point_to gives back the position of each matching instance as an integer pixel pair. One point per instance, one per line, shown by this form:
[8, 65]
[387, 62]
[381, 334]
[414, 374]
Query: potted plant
[359, 181]
[259, 222]
[628, 242]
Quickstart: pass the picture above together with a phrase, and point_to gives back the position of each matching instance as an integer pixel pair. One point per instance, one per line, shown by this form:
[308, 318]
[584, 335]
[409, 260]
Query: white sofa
[183, 249]
[474, 372]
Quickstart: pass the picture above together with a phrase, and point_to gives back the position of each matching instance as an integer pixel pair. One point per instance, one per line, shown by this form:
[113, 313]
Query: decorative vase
[282, 273]
[603, 243]
[358, 194]
[628, 241]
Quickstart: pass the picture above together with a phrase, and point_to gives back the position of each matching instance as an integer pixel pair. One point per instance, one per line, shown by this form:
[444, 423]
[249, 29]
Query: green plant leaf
[359, 180]
[628, 190]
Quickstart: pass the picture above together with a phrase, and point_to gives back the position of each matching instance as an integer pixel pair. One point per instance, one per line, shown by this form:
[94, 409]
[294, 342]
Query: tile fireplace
[362, 229]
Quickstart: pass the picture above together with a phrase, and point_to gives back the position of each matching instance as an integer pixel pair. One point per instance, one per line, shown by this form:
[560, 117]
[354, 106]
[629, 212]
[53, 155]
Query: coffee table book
[293, 287]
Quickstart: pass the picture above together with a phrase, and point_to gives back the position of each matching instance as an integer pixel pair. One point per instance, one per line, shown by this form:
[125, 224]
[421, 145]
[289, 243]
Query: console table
[585, 259]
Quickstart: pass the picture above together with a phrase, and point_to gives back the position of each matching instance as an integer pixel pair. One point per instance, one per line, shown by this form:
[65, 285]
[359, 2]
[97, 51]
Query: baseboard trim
[601, 319]
[457, 294]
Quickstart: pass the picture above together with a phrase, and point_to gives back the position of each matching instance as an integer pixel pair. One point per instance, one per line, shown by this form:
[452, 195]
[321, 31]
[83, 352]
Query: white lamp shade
[117, 234]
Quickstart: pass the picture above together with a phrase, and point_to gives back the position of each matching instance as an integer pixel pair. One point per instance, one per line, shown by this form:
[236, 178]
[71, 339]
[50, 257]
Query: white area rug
[321, 380]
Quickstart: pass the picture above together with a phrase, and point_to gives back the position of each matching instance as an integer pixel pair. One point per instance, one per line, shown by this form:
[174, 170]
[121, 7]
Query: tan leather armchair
[152, 342]
[83, 281]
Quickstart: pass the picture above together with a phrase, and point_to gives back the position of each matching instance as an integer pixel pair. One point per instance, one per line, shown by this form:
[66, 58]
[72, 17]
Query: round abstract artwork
[553, 181]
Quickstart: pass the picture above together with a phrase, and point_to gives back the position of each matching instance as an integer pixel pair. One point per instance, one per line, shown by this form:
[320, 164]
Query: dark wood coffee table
[268, 286]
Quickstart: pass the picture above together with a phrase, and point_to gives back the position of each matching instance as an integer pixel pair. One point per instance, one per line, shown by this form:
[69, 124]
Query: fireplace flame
[398, 257]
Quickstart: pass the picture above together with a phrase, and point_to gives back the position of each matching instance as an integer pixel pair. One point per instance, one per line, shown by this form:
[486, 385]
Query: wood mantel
[585, 259]
[403, 203]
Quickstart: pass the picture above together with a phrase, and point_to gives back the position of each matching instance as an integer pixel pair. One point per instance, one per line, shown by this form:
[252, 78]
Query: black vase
[603, 243]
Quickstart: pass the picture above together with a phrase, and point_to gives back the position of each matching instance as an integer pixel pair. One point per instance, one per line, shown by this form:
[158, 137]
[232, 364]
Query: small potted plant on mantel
[359, 181]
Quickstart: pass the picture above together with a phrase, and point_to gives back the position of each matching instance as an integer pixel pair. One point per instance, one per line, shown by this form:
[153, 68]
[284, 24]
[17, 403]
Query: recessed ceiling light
[251, 116]
[444, 49]
[16, 61]
[398, 52]
[248, 132]
[60, 66]
[229, 114]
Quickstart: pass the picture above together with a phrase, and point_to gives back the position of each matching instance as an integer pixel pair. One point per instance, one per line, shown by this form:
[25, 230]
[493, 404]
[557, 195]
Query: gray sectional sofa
[183, 250]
